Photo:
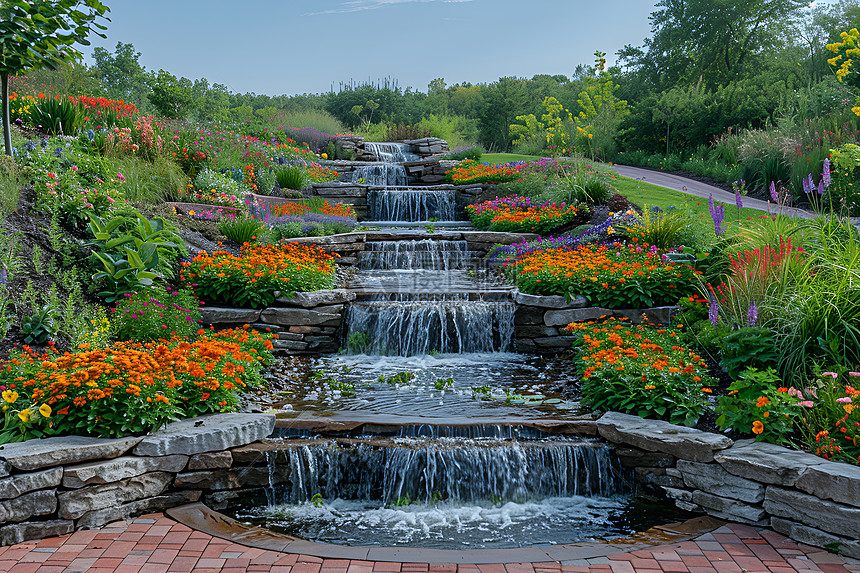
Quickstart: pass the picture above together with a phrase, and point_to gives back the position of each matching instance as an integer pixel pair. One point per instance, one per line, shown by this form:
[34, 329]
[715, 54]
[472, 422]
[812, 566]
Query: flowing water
[380, 175]
[391, 152]
[430, 337]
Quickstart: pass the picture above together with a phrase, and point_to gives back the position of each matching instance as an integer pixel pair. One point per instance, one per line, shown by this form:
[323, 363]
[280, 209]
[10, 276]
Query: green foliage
[40, 327]
[157, 313]
[399, 378]
[241, 230]
[474, 153]
[290, 177]
[665, 230]
[126, 275]
[583, 184]
[749, 346]
[357, 342]
[756, 406]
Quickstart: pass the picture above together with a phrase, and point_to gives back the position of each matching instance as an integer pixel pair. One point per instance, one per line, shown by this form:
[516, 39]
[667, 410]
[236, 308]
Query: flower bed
[611, 276]
[252, 279]
[128, 388]
[519, 215]
[471, 172]
[641, 370]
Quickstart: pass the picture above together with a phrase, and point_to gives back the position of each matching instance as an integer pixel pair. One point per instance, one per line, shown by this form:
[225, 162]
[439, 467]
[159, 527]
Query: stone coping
[199, 517]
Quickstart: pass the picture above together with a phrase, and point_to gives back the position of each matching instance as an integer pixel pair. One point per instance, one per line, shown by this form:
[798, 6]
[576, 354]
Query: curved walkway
[699, 189]
[157, 544]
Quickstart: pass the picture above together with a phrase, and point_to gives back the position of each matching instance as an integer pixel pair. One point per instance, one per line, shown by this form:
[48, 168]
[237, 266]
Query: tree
[172, 97]
[42, 34]
[122, 74]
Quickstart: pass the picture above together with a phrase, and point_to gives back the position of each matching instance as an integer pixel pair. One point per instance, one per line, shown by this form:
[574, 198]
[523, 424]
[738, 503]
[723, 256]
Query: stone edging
[56, 485]
[802, 496]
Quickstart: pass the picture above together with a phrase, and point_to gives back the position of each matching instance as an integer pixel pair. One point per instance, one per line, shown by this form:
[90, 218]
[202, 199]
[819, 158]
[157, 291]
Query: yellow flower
[45, 410]
[10, 396]
[610, 230]
[191, 211]
[324, 155]
[24, 415]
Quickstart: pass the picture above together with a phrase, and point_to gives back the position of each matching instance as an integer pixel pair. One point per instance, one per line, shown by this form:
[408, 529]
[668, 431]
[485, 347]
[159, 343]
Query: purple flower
[718, 213]
[752, 314]
[738, 200]
[773, 193]
[713, 311]
[825, 173]
[821, 187]
[806, 186]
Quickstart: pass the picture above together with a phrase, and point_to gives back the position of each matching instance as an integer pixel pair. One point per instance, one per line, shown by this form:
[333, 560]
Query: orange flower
[757, 427]
[762, 401]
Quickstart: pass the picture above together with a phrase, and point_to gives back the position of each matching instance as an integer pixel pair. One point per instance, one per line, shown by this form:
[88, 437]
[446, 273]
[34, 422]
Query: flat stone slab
[831, 480]
[300, 316]
[317, 298]
[730, 509]
[20, 484]
[553, 301]
[809, 510]
[35, 454]
[815, 537]
[206, 434]
[712, 478]
[565, 317]
[73, 504]
[658, 436]
[29, 505]
[20, 532]
[96, 473]
[767, 463]
[229, 315]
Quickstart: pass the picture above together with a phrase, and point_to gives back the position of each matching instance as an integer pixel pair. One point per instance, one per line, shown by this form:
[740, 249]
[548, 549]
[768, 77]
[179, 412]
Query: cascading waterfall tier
[412, 204]
[388, 470]
[391, 152]
[410, 324]
[380, 175]
[423, 254]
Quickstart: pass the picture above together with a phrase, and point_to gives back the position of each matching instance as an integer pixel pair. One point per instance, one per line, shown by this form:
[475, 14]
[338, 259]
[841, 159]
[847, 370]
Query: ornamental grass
[520, 215]
[611, 276]
[128, 388]
[641, 370]
[253, 279]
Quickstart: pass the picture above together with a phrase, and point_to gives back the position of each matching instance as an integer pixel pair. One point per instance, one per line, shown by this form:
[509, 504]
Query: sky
[307, 46]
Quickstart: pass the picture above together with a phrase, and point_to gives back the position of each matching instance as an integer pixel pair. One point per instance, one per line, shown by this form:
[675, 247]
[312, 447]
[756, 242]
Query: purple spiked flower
[713, 311]
[773, 193]
[806, 186]
[752, 314]
[738, 201]
[821, 187]
[825, 173]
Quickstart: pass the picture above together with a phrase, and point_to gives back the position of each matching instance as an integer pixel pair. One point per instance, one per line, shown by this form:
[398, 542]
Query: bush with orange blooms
[520, 215]
[611, 276]
[252, 279]
[641, 370]
[128, 388]
[470, 172]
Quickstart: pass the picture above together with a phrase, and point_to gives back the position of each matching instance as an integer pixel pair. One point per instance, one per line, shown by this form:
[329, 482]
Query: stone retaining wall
[540, 320]
[57, 485]
[800, 495]
[306, 323]
[424, 147]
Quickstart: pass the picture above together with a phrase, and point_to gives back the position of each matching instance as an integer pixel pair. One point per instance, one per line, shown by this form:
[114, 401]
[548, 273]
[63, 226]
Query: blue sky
[297, 46]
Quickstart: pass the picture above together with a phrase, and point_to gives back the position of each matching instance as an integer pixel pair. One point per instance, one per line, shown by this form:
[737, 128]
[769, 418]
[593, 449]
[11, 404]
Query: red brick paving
[157, 544]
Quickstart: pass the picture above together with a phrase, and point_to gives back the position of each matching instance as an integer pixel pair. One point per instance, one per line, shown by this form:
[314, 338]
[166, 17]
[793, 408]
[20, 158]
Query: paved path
[699, 189]
[157, 544]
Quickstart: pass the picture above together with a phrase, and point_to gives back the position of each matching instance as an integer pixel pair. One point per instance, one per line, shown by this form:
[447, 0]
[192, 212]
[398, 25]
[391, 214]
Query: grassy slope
[506, 158]
[642, 194]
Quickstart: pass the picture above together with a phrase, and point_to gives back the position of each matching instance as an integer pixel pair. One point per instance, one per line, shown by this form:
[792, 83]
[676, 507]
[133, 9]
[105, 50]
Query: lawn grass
[494, 158]
[642, 194]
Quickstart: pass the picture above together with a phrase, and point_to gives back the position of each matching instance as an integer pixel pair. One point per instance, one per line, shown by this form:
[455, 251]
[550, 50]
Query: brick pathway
[156, 544]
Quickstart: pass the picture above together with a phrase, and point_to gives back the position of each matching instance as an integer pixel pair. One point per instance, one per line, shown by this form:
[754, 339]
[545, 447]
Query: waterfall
[411, 204]
[380, 175]
[412, 325]
[424, 254]
[425, 470]
[391, 152]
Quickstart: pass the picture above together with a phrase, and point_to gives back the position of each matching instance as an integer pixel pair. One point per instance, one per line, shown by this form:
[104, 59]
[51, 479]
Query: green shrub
[58, 116]
[290, 177]
[241, 230]
[660, 228]
[474, 153]
[750, 346]
[156, 314]
[211, 181]
[756, 406]
[640, 370]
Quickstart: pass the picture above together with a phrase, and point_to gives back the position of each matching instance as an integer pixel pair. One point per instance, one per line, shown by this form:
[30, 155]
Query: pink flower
[74, 167]
[854, 373]
[120, 177]
[845, 400]
[807, 403]
[833, 374]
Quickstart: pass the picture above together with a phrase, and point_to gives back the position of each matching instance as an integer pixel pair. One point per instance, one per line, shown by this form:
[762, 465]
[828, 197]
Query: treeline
[707, 69]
